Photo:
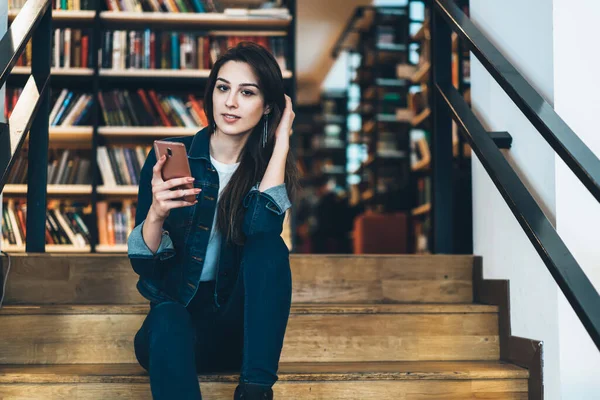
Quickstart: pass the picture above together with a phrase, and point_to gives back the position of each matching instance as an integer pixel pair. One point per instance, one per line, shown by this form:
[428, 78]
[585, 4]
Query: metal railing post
[441, 146]
[37, 174]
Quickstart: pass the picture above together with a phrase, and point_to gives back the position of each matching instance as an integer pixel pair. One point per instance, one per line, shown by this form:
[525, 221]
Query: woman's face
[238, 103]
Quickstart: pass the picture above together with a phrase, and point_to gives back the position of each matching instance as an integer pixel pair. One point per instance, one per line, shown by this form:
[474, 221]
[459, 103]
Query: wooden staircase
[361, 327]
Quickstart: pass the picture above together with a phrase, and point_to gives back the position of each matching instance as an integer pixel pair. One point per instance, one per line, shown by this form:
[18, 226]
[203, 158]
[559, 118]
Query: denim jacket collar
[200, 147]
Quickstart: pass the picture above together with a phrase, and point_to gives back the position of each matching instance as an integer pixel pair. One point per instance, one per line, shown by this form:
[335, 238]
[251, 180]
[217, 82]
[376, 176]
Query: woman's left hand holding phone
[163, 200]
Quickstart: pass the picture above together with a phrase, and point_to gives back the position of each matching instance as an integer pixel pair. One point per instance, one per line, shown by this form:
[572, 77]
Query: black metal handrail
[448, 103]
[582, 161]
[34, 22]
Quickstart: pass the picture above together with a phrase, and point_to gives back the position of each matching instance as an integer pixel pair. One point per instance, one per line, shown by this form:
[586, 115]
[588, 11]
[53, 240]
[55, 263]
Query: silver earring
[214, 126]
[265, 131]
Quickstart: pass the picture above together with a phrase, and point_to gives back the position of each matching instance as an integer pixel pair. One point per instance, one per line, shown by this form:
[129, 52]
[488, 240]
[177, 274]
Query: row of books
[151, 49]
[71, 108]
[64, 225]
[73, 5]
[68, 224]
[175, 6]
[65, 167]
[115, 221]
[148, 49]
[390, 28]
[121, 165]
[120, 108]
[265, 9]
[147, 108]
[70, 49]
[178, 6]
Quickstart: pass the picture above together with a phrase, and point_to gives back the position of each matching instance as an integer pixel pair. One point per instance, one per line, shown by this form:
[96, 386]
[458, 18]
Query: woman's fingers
[288, 107]
[157, 170]
[176, 194]
[171, 183]
[182, 203]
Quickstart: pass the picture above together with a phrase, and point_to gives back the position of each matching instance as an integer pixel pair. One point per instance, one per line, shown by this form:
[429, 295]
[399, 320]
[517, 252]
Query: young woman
[216, 270]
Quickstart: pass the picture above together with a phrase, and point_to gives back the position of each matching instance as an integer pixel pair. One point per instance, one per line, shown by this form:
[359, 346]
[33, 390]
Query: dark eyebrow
[242, 84]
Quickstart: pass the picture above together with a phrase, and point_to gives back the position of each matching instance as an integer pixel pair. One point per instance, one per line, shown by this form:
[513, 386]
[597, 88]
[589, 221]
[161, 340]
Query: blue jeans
[175, 343]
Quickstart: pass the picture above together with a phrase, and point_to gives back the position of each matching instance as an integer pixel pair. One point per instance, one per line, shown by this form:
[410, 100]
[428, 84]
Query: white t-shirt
[211, 260]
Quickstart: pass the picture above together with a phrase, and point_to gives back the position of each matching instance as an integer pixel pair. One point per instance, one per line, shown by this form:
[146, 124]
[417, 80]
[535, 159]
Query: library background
[497, 304]
[127, 72]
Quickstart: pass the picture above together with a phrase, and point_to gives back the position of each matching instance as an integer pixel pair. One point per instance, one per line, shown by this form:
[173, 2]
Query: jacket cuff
[278, 200]
[137, 248]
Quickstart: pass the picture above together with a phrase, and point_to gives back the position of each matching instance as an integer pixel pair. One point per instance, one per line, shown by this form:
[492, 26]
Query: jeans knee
[168, 317]
[267, 255]
[141, 349]
[267, 242]
[165, 323]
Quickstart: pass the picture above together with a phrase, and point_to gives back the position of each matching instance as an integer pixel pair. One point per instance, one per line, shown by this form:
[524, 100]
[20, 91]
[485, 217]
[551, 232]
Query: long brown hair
[254, 158]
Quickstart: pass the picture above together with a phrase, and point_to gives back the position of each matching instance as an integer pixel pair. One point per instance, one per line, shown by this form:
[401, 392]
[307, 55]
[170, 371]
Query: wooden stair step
[297, 308]
[72, 334]
[109, 279]
[334, 381]
[305, 371]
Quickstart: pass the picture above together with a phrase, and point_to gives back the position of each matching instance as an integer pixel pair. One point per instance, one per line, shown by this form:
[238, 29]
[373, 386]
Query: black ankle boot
[247, 391]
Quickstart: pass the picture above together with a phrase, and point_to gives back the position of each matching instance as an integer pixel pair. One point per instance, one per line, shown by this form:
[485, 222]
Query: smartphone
[176, 164]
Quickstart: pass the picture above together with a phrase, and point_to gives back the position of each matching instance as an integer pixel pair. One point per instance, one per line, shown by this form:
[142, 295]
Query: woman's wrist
[153, 217]
[282, 144]
[152, 230]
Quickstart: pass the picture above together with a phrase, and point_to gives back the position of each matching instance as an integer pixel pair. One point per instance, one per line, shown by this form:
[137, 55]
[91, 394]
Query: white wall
[576, 85]
[522, 30]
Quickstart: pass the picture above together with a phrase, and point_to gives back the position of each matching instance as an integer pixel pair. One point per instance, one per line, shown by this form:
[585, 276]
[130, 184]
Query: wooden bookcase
[380, 37]
[421, 166]
[331, 141]
[377, 40]
[401, 67]
[96, 79]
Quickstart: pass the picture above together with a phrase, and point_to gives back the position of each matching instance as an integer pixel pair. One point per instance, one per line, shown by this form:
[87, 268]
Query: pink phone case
[176, 165]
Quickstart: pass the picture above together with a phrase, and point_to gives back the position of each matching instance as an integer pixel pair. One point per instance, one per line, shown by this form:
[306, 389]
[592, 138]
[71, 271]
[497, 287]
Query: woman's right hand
[162, 195]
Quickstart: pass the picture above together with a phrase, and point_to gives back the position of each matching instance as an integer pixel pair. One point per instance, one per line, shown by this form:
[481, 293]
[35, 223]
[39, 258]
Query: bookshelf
[422, 74]
[331, 139]
[63, 16]
[379, 38]
[164, 19]
[67, 72]
[193, 20]
[154, 131]
[119, 200]
[305, 127]
[420, 139]
[50, 248]
[69, 136]
[421, 210]
[117, 248]
[422, 217]
[170, 75]
[119, 190]
[56, 190]
[418, 120]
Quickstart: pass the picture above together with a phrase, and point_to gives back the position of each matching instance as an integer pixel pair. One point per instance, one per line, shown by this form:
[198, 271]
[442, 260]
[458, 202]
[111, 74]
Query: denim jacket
[173, 272]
